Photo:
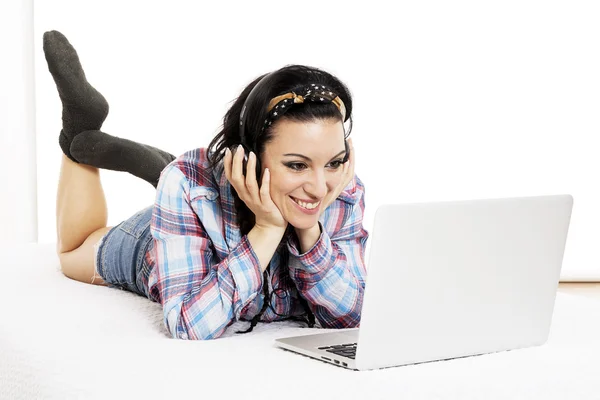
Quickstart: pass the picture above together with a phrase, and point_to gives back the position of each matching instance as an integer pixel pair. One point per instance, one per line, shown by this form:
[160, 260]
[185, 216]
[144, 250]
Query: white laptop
[452, 279]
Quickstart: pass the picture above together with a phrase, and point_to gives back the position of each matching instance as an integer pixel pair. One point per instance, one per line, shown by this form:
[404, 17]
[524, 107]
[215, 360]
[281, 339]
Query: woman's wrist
[308, 237]
[264, 241]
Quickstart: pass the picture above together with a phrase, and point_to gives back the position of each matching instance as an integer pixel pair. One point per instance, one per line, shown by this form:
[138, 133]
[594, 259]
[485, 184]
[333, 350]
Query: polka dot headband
[313, 92]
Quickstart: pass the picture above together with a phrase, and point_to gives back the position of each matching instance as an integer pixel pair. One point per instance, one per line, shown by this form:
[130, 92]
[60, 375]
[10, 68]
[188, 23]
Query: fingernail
[240, 147]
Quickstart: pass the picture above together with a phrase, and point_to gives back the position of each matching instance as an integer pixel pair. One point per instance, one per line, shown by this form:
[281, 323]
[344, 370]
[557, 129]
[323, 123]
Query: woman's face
[305, 161]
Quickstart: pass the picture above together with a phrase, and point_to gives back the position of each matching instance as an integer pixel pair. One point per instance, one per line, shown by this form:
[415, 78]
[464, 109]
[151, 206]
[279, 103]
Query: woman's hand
[347, 176]
[257, 199]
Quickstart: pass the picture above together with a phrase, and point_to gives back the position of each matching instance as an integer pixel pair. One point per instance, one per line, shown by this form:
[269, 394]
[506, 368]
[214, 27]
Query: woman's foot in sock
[84, 108]
[102, 150]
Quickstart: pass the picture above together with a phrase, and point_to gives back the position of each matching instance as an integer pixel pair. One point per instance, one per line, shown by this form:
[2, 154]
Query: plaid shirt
[207, 276]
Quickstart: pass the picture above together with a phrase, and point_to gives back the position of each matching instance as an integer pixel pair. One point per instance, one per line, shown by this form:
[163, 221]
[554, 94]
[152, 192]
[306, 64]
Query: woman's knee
[79, 264]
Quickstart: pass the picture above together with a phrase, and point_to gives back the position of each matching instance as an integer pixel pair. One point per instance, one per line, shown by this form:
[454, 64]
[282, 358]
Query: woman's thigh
[120, 257]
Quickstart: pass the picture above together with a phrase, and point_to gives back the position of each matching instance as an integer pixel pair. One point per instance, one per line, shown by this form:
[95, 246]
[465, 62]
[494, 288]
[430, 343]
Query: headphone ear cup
[245, 164]
[258, 171]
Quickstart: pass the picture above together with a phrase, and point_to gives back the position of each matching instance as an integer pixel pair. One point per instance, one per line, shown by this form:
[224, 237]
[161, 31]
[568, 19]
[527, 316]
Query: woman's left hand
[347, 176]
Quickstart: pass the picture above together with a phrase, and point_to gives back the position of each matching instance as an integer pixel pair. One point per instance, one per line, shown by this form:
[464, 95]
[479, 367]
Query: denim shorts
[120, 254]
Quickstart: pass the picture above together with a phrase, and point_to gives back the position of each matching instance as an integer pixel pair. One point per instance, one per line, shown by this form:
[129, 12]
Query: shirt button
[183, 336]
[211, 195]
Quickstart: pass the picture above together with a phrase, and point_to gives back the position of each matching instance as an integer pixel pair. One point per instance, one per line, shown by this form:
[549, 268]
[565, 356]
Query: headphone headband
[249, 100]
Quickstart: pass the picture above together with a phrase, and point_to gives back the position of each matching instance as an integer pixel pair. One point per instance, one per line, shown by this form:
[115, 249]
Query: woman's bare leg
[81, 213]
[81, 217]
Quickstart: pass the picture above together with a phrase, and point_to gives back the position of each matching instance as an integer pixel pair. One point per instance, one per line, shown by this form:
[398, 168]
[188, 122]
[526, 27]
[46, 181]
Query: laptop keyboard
[344, 350]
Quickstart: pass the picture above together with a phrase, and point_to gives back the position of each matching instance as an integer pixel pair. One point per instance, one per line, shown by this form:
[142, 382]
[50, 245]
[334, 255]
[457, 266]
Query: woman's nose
[317, 185]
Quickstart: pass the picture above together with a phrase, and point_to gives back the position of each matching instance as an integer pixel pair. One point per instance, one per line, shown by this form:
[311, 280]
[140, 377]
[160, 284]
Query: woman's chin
[303, 223]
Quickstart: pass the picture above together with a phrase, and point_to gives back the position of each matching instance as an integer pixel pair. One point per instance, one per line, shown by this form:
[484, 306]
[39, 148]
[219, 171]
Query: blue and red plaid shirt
[207, 276]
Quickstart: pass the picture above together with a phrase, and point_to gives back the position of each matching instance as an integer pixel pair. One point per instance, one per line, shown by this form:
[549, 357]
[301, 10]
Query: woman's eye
[296, 166]
[336, 164]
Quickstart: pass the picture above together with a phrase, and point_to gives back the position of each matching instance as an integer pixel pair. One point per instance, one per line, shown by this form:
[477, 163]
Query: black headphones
[249, 100]
[243, 117]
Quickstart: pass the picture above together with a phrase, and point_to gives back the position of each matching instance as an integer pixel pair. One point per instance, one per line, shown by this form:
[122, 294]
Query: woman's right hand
[257, 199]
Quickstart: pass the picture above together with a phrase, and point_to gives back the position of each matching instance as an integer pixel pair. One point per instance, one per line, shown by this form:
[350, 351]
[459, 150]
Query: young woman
[263, 225]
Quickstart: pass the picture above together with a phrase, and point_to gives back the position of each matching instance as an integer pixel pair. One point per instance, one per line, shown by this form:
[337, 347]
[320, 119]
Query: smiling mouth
[308, 206]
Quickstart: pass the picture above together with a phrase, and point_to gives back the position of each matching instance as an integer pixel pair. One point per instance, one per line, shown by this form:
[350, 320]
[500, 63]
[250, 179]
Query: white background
[18, 208]
[452, 100]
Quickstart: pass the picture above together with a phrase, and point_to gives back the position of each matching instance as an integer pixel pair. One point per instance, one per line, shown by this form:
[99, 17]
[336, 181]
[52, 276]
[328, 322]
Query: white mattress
[63, 339]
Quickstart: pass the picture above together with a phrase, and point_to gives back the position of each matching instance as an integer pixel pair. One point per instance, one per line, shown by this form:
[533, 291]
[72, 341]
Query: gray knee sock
[102, 150]
[84, 108]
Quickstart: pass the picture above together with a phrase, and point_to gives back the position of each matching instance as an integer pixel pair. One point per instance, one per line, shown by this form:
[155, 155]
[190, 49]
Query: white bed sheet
[63, 339]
